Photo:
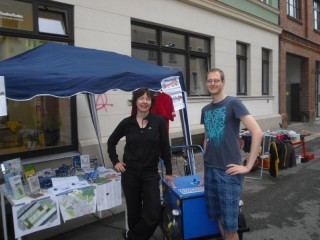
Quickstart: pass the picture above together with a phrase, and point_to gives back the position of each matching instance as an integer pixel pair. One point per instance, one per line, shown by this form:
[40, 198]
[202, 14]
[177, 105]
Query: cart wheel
[242, 221]
[170, 226]
[240, 235]
[242, 225]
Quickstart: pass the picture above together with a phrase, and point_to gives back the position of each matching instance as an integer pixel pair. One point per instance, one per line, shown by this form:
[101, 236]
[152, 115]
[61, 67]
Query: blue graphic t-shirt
[222, 125]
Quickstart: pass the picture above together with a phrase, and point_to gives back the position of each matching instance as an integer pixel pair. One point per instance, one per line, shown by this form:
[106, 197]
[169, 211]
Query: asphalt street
[286, 206]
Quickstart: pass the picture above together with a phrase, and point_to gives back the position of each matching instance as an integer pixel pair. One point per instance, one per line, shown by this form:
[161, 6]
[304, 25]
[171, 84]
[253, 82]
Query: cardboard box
[266, 162]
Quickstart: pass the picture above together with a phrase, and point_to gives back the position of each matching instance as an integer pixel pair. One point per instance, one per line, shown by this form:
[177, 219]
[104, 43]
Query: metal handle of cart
[188, 151]
[188, 147]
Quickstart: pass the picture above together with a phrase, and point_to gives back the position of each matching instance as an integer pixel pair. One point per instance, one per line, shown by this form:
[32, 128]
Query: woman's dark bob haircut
[139, 93]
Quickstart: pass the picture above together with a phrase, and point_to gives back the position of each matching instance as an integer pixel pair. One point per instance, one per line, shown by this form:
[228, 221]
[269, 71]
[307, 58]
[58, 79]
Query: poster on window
[3, 102]
[172, 87]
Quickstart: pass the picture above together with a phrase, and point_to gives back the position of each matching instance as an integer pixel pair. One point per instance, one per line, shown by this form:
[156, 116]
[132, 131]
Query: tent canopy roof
[63, 71]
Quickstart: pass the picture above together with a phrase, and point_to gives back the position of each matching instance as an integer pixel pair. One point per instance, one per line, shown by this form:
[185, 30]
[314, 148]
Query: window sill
[48, 158]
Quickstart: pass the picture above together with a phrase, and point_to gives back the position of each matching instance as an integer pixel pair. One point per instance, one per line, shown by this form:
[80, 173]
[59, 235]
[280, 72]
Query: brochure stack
[12, 172]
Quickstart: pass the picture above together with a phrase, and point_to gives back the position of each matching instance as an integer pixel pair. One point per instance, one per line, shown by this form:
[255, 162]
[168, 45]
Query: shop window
[42, 125]
[16, 15]
[38, 124]
[176, 50]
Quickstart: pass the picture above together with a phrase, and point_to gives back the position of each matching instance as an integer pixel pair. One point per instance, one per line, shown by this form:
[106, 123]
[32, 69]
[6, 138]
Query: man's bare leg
[227, 235]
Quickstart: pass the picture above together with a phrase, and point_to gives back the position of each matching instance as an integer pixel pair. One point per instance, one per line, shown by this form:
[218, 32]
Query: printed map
[35, 216]
[77, 203]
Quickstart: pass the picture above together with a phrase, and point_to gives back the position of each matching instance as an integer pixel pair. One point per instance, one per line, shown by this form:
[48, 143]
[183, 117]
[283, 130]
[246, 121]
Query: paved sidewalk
[313, 128]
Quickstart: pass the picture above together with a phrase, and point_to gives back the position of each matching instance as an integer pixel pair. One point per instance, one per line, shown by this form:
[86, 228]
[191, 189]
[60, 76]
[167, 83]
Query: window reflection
[37, 124]
[198, 67]
[173, 40]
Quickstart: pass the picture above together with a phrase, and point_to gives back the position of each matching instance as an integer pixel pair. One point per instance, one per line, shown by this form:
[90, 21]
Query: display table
[30, 214]
[35, 214]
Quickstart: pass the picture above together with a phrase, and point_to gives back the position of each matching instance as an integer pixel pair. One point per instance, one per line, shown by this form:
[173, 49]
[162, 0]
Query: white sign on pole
[172, 87]
[3, 102]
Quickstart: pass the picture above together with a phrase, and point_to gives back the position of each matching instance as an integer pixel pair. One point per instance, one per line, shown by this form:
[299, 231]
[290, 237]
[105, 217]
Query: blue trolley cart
[184, 209]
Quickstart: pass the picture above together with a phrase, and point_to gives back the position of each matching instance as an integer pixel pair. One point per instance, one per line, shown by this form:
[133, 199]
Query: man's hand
[201, 180]
[234, 169]
[120, 167]
[169, 178]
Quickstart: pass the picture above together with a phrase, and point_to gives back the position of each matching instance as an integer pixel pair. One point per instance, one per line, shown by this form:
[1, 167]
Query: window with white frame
[293, 8]
[265, 71]
[174, 49]
[242, 69]
[316, 10]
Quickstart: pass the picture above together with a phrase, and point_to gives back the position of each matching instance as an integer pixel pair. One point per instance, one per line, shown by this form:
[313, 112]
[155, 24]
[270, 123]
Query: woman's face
[143, 103]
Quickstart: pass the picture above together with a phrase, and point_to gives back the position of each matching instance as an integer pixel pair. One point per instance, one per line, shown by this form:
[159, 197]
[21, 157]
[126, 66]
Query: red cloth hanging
[163, 105]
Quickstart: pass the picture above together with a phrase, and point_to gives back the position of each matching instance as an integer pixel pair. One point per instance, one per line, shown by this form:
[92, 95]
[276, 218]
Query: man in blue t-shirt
[223, 169]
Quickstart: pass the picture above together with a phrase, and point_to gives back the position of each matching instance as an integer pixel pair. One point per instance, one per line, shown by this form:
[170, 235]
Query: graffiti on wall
[102, 102]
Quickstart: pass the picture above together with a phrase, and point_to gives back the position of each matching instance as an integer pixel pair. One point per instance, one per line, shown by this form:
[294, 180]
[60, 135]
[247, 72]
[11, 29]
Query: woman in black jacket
[146, 140]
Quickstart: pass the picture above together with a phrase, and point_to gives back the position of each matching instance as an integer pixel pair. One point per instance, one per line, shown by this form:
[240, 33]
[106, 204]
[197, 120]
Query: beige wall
[105, 24]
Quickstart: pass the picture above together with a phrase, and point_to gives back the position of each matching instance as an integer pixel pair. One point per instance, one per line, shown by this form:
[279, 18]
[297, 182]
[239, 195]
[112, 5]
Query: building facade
[240, 37]
[299, 60]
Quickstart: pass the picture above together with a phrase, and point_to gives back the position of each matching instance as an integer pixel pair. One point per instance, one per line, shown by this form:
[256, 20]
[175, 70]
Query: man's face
[214, 83]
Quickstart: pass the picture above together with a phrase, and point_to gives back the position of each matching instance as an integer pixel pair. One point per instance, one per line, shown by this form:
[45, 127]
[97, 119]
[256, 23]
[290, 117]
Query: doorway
[295, 102]
[293, 88]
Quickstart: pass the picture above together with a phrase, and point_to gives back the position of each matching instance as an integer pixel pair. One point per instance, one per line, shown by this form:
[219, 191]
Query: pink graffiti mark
[102, 102]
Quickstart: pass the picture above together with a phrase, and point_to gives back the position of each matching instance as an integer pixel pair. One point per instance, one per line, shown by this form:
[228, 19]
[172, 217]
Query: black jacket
[143, 146]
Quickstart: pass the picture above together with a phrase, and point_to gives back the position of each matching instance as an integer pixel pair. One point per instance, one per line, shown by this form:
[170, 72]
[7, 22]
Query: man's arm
[251, 124]
[257, 135]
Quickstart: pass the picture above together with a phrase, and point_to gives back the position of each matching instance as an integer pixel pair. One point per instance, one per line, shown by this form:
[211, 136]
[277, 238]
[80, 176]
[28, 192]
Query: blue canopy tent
[64, 71]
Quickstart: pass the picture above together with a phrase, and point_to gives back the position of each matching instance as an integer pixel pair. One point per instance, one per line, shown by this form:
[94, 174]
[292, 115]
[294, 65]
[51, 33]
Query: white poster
[172, 87]
[35, 216]
[3, 102]
[78, 203]
[109, 194]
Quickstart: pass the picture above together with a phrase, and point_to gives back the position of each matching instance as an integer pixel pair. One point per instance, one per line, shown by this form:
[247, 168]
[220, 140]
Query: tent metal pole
[95, 120]
[187, 135]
